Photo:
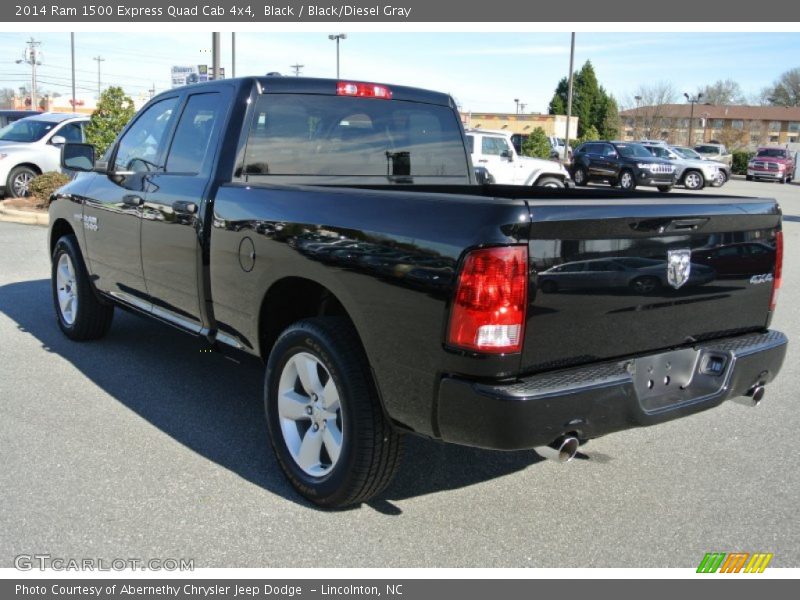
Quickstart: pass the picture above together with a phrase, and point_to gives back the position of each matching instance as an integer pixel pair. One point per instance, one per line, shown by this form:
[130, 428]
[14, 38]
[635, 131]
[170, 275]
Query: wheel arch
[59, 229]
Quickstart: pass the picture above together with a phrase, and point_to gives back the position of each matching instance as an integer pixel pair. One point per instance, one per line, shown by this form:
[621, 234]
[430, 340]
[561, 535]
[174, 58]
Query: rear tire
[327, 427]
[80, 313]
[645, 285]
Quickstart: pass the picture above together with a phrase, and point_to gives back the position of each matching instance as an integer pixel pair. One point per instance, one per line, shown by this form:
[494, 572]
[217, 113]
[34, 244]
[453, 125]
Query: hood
[775, 159]
[700, 162]
[6, 147]
[541, 163]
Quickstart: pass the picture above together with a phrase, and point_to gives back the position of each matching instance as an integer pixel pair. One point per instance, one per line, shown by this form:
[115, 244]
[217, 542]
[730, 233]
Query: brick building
[735, 126]
[523, 123]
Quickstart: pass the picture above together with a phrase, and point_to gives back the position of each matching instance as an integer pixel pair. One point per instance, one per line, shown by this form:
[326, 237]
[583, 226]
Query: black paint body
[388, 255]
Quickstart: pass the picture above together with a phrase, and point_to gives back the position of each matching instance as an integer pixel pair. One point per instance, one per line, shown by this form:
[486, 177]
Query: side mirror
[58, 140]
[507, 155]
[77, 157]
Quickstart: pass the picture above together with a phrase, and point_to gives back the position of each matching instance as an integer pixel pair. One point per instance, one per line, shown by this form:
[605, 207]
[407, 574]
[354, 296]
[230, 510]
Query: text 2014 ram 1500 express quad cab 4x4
[335, 230]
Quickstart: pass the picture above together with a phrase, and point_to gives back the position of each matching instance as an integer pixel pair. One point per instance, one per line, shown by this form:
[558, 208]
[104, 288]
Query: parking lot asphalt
[141, 445]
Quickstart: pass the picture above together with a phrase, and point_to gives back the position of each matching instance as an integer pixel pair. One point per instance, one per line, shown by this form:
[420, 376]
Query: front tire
[627, 181]
[80, 314]
[327, 427]
[550, 182]
[18, 181]
[722, 178]
[693, 180]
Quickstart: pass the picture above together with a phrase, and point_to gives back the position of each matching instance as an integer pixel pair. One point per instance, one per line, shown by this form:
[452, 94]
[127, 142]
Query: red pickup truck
[772, 163]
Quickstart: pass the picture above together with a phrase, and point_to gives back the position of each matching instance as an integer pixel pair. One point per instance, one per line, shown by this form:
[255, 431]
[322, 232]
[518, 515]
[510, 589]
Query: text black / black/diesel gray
[335, 229]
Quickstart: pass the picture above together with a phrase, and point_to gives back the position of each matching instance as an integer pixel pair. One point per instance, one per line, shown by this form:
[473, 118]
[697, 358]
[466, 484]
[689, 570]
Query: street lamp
[337, 37]
[516, 101]
[694, 100]
[636, 116]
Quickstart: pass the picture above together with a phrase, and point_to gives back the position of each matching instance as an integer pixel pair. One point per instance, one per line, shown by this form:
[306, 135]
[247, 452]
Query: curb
[24, 217]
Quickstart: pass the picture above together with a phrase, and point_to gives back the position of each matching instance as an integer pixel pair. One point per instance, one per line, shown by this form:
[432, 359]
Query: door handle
[182, 206]
[132, 200]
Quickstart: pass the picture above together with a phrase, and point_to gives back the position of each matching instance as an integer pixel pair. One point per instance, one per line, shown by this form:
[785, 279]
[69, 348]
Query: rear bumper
[595, 400]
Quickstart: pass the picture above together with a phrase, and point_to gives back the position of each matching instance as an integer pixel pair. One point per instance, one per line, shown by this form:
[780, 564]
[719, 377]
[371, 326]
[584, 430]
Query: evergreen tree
[537, 144]
[593, 106]
[114, 110]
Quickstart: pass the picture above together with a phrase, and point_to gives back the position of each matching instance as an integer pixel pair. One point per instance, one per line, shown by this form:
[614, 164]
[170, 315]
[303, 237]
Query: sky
[483, 71]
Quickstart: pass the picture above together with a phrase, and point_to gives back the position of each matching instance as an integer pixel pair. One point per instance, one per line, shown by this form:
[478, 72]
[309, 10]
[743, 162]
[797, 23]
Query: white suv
[494, 151]
[32, 146]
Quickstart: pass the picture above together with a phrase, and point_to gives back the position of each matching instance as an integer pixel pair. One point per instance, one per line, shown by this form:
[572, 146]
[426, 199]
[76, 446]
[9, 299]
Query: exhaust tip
[753, 397]
[561, 450]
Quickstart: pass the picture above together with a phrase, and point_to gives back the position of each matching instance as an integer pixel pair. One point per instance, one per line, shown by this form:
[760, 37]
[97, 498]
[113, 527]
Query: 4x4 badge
[679, 266]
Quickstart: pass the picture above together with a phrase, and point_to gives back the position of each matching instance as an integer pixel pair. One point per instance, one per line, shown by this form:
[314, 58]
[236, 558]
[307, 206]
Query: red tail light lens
[363, 90]
[488, 313]
[777, 277]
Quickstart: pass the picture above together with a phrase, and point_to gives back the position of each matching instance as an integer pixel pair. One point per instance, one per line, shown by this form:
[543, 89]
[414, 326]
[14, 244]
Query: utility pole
[297, 69]
[522, 106]
[215, 55]
[99, 59]
[636, 117]
[569, 95]
[72, 52]
[31, 57]
[152, 90]
[338, 38]
[233, 54]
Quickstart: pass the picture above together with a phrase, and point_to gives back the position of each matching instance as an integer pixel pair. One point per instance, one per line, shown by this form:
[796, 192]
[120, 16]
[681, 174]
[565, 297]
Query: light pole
[705, 116]
[693, 100]
[636, 116]
[338, 37]
[516, 103]
[72, 53]
[569, 96]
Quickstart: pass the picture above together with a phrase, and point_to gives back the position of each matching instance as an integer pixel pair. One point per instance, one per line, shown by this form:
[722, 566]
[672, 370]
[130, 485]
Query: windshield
[772, 152]
[634, 151]
[707, 149]
[26, 130]
[686, 152]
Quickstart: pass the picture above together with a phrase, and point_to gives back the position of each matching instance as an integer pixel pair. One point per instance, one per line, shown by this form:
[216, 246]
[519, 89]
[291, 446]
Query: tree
[589, 135]
[114, 110]
[537, 144]
[593, 106]
[723, 92]
[785, 91]
[7, 98]
[651, 117]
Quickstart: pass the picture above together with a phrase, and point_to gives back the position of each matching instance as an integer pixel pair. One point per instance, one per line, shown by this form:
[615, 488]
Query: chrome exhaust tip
[562, 450]
[754, 396]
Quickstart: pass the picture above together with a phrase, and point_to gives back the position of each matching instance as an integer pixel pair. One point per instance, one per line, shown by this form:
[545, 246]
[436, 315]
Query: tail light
[363, 90]
[488, 313]
[778, 275]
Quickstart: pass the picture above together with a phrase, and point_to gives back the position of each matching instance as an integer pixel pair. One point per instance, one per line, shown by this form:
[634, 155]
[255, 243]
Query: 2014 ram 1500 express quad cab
[335, 230]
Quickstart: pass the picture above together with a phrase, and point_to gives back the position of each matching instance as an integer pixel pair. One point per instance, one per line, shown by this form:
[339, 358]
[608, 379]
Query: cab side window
[193, 135]
[139, 149]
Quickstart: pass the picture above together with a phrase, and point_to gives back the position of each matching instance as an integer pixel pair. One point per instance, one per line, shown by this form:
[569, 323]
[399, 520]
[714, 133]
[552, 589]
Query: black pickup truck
[335, 229]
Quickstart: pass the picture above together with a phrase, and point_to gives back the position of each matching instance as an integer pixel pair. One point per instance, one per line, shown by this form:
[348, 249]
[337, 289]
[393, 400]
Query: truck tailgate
[601, 285]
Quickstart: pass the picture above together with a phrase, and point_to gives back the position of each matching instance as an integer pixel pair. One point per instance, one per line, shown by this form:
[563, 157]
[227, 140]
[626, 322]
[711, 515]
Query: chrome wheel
[626, 180]
[580, 176]
[21, 182]
[722, 179]
[310, 414]
[693, 181]
[66, 289]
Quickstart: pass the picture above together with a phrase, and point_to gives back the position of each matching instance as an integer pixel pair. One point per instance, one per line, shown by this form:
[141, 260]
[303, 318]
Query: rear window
[310, 135]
